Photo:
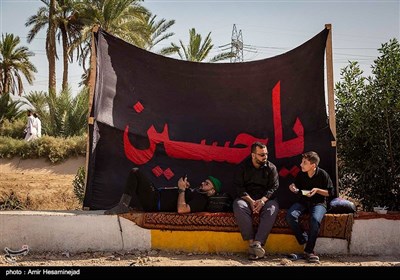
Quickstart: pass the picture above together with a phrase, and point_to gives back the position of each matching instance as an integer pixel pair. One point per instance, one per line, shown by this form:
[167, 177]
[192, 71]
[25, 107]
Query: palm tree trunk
[65, 58]
[51, 49]
[6, 82]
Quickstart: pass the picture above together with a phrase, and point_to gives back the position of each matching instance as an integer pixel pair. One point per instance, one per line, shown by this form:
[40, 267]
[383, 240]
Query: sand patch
[68, 167]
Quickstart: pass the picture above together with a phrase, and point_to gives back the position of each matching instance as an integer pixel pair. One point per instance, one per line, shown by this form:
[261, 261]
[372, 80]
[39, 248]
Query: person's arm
[239, 185]
[251, 202]
[326, 189]
[293, 188]
[331, 190]
[39, 132]
[31, 124]
[182, 207]
[273, 183]
[319, 191]
[297, 185]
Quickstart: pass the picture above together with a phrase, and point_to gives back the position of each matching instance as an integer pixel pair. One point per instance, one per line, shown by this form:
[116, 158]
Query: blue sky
[269, 28]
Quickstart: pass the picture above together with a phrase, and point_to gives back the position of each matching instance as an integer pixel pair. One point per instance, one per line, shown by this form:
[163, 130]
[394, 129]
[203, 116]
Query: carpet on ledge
[333, 225]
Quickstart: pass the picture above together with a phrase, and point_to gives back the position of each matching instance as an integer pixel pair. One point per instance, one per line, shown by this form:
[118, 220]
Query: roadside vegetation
[368, 130]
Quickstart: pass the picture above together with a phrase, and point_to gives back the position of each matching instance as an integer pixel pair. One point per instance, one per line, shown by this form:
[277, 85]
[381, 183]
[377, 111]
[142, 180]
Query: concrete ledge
[82, 231]
[73, 231]
[377, 236]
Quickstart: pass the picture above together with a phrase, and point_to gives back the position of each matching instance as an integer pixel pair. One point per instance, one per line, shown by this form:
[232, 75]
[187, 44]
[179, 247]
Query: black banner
[171, 117]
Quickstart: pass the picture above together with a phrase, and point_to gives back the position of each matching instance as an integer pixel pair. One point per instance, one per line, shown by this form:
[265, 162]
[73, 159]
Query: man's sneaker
[256, 251]
[312, 257]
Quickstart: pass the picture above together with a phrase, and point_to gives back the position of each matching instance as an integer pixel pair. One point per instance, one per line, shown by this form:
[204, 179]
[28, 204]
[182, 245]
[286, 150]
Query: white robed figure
[30, 129]
[37, 123]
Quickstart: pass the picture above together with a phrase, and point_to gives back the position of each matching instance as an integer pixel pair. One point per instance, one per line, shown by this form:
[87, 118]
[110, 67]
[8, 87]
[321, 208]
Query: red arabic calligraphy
[187, 150]
[213, 152]
[291, 147]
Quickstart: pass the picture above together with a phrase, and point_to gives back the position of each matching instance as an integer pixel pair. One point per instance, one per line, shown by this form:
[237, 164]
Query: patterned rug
[333, 225]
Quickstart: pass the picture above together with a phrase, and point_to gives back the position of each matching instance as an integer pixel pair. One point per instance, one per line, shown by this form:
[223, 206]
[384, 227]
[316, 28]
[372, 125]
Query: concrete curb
[83, 231]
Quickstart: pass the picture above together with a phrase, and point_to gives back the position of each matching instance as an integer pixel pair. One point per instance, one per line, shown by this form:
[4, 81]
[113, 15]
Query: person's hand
[312, 192]
[292, 188]
[183, 183]
[250, 202]
[258, 205]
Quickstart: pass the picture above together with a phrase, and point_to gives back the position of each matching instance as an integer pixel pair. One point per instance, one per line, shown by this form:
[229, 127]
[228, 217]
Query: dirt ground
[39, 185]
[176, 258]
[48, 187]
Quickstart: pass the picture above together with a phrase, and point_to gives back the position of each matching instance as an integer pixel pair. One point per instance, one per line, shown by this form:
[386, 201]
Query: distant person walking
[38, 125]
[30, 130]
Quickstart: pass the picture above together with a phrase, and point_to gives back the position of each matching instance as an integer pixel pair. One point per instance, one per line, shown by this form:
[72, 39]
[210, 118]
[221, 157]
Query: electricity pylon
[237, 45]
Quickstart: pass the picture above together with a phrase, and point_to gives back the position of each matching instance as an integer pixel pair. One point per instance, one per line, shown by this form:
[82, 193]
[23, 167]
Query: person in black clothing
[256, 182]
[313, 185]
[146, 197]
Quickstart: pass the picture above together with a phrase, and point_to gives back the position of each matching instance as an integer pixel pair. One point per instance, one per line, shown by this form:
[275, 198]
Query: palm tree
[51, 50]
[9, 109]
[14, 60]
[158, 30]
[125, 19]
[66, 21]
[196, 50]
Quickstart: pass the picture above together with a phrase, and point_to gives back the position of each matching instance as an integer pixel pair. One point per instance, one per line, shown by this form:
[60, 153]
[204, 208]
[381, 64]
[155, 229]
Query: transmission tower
[237, 45]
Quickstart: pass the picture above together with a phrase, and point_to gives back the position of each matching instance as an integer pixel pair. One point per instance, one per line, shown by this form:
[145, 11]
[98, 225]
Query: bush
[14, 129]
[55, 149]
[10, 201]
[79, 184]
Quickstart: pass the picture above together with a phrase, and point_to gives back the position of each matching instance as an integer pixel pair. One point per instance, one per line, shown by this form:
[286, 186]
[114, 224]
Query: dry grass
[38, 189]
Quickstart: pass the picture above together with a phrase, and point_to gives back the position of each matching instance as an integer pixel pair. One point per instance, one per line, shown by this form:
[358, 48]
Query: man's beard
[261, 162]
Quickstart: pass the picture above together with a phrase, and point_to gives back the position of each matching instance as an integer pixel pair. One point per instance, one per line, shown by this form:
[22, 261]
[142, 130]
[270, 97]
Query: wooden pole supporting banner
[92, 82]
[331, 94]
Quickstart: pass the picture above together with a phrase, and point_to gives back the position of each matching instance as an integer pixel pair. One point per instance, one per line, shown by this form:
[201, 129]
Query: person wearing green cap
[140, 194]
[256, 181]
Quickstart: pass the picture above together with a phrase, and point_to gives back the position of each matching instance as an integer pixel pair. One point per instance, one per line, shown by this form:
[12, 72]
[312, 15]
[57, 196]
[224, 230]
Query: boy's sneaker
[256, 251]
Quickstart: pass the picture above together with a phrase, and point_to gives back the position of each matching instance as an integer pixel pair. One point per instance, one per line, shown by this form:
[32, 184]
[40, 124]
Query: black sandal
[295, 257]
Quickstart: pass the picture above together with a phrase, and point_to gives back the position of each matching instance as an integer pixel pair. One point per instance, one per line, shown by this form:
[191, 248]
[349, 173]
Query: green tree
[158, 30]
[122, 18]
[14, 61]
[368, 122]
[197, 50]
[67, 25]
[125, 19]
[9, 109]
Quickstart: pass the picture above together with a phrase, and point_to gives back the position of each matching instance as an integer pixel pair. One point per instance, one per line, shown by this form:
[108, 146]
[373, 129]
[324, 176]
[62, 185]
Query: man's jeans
[317, 213]
[244, 219]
